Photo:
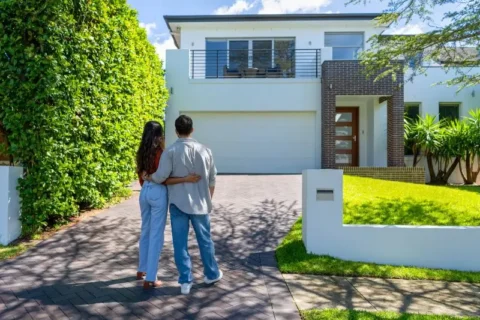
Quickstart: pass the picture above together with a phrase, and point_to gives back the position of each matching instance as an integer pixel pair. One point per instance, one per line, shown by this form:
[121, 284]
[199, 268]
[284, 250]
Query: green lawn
[7, 252]
[370, 201]
[362, 315]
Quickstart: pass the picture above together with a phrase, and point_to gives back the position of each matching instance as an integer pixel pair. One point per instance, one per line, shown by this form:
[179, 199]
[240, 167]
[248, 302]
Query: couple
[187, 168]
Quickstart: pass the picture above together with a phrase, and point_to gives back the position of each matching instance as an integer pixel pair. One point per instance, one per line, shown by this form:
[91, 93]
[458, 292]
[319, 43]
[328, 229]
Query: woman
[153, 203]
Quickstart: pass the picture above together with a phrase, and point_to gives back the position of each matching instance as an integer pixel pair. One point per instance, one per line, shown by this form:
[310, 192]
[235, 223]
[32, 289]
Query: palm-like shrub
[444, 144]
[471, 142]
[438, 142]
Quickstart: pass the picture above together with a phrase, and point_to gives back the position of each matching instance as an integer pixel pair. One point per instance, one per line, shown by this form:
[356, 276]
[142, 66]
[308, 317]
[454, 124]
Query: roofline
[266, 17]
[271, 17]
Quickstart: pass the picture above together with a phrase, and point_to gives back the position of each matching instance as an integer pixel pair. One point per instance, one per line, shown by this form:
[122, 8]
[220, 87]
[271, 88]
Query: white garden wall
[423, 246]
[10, 226]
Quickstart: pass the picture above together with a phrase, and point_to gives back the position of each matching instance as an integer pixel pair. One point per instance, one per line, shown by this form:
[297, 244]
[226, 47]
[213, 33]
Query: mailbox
[325, 195]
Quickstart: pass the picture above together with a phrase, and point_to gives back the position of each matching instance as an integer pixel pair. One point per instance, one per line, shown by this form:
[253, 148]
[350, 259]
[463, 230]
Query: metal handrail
[255, 63]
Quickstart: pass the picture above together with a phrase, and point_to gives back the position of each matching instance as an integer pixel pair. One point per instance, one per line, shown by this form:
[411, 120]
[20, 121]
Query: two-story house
[283, 93]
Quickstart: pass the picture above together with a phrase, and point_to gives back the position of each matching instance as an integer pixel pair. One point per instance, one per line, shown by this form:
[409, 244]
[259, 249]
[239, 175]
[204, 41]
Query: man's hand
[193, 178]
[212, 190]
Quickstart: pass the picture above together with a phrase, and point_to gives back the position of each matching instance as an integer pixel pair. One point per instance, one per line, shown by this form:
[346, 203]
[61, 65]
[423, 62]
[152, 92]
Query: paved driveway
[88, 271]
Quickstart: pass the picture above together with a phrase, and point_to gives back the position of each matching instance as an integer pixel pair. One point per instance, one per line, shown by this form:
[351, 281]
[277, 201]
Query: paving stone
[412, 296]
[88, 270]
[417, 296]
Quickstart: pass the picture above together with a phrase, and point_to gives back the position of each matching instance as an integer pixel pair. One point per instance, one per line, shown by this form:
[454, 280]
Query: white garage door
[263, 142]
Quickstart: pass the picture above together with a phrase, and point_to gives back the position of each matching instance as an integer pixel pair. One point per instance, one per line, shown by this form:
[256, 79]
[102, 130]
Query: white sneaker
[185, 288]
[208, 281]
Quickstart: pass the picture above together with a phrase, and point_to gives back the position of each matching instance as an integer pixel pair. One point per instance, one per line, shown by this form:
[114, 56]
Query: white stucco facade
[275, 99]
[424, 91]
[307, 34]
[271, 99]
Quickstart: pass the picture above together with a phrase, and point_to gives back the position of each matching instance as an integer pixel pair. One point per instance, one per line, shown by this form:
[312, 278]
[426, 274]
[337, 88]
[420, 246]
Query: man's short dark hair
[184, 125]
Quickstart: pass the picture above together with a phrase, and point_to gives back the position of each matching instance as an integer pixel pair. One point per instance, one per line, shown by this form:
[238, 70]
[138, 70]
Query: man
[190, 202]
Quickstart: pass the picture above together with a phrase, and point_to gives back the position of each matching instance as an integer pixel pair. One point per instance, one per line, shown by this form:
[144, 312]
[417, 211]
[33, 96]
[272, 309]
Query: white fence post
[10, 226]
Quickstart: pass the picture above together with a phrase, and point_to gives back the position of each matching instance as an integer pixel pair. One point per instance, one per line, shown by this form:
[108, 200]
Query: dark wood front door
[346, 137]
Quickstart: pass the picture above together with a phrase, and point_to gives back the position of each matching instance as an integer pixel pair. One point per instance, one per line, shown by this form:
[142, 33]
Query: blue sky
[151, 13]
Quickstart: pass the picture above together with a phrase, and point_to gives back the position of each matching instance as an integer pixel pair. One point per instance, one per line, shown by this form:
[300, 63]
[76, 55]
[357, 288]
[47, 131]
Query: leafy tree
[442, 43]
[78, 80]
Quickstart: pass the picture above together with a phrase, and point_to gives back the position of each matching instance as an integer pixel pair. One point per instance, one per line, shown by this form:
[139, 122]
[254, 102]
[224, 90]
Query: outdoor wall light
[473, 93]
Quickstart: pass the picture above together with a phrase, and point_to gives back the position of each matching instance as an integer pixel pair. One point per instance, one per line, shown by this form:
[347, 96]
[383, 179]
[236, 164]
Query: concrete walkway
[88, 271]
[412, 296]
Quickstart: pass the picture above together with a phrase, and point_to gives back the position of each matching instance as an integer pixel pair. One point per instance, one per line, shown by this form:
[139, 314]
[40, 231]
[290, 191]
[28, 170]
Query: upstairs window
[231, 57]
[449, 111]
[215, 55]
[345, 45]
[412, 111]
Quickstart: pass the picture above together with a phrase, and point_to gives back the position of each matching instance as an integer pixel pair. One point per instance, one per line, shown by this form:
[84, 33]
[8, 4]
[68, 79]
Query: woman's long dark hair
[152, 132]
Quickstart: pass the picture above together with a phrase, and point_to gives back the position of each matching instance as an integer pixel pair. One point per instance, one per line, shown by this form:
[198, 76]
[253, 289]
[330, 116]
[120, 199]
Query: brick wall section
[395, 131]
[348, 78]
[402, 174]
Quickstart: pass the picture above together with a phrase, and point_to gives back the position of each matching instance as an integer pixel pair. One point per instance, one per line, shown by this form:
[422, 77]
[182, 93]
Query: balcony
[262, 63]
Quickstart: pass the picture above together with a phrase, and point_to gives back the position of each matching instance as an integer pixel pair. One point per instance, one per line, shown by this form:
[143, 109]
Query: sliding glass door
[262, 54]
[265, 57]
[238, 50]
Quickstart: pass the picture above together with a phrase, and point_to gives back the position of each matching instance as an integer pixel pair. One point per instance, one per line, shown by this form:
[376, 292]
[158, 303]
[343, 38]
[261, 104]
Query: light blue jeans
[153, 206]
[180, 227]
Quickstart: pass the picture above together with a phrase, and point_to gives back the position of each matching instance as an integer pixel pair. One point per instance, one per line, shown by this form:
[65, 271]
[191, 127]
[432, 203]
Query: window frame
[413, 104]
[250, 46]
[457, 105]
[362, 48]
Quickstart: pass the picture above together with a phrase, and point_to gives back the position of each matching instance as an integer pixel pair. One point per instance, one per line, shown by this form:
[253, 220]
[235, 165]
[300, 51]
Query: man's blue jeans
[180, 227]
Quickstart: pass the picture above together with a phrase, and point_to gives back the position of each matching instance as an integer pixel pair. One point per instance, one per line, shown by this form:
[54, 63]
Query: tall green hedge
[78, 80]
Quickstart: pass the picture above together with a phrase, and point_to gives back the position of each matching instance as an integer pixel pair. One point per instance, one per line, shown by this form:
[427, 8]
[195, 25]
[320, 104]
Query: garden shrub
[445, 144]
[78, 79]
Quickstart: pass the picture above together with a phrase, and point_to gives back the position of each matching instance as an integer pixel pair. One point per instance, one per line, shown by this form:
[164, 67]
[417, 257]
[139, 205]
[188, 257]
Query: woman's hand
[193, 178]
[146, 177]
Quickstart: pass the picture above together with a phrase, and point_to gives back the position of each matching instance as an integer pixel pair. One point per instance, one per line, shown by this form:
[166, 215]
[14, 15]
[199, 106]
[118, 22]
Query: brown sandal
[141, 275]
[151, 284]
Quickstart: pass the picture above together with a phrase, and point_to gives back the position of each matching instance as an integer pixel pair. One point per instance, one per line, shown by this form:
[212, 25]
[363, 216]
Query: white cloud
[292, 6]
[332, 12]
[408, 29]
[162, 46]
[149, 27]
[238, 7]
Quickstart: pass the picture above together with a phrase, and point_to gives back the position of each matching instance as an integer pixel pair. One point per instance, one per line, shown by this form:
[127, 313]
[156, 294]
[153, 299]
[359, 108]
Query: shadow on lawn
[364, 315]
[406, 212]
[474, 189]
